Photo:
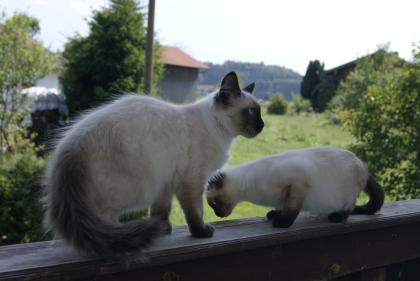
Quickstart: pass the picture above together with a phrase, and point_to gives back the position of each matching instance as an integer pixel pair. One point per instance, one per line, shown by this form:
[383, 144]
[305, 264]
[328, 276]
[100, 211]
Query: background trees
[385, 119]
[23, 61]
[378, 67]
[110, 59]
[317, 87]
[311, 79]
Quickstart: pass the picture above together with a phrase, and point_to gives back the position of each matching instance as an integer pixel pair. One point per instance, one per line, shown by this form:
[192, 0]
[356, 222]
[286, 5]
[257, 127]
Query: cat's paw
[281, 221]
[338, 216]
[205, 231]
[273, 213]
[166, 227]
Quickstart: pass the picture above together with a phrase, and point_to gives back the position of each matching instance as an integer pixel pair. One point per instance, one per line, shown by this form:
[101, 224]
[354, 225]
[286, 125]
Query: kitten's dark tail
[70, 215]
[376, 198]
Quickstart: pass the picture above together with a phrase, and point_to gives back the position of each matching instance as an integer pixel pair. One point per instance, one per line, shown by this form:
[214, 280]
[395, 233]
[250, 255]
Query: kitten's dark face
[239, 106]
[217, 196]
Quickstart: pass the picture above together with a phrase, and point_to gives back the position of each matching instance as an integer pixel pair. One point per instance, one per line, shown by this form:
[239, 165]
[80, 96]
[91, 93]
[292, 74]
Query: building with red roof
[180, 80]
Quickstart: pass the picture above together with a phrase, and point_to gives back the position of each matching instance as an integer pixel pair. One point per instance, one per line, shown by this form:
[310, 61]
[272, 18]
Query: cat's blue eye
[251, 111]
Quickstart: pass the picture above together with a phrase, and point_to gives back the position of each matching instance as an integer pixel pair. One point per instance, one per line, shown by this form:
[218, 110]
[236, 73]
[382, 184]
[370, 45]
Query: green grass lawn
[280, 133]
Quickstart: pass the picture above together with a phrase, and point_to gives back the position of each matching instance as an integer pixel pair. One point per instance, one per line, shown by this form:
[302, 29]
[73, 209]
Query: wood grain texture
[375, 274]
[248, 249]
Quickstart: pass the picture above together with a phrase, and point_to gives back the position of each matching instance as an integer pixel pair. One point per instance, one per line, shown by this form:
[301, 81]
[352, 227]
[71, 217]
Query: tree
[110, 59]
[311, 80]
[23, 61]
[378, 67]
[318, 87]
[386, 121]
[324, 92]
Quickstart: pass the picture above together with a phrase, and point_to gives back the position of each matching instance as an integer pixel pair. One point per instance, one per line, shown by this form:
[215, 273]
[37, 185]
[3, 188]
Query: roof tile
[174, 56]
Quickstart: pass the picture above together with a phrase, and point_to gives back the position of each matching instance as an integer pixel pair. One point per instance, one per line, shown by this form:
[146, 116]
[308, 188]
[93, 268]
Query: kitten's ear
[229, 89]
[216, 180]
[250, 88]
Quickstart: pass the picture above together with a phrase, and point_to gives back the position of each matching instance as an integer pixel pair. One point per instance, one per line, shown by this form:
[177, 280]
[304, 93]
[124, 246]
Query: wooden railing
[382, 247]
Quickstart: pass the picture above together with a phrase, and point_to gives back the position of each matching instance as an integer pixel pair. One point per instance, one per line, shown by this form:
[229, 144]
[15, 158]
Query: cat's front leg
[281, 219]
[161, 209]
[190, 198]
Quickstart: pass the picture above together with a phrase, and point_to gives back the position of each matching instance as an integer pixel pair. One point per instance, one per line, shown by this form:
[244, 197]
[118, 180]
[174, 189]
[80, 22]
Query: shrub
[278, 105]
[332, 117]
[373, 69]
[299, 105]
[21, 211]
[387, 127]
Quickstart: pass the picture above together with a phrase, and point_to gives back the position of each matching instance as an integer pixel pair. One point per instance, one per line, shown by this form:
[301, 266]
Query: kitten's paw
[338, 216]
[283, 222]
[273, 213]
[205, 231]
[166, 227]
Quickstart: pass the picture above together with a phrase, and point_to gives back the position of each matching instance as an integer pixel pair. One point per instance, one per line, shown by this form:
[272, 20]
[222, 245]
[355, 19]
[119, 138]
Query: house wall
[179, 84]
[49, 81]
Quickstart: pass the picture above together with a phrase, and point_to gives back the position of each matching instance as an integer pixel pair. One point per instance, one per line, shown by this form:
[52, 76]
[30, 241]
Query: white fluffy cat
[320, 180]
[138, 152]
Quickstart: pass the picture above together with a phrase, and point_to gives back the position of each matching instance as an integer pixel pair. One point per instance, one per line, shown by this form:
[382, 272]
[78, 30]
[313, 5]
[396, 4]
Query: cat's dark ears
[250, 88]
[229, 89]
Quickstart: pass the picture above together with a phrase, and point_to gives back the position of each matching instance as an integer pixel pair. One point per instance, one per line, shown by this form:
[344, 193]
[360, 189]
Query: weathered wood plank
[375, 274]
[247, 249]
[405, 271]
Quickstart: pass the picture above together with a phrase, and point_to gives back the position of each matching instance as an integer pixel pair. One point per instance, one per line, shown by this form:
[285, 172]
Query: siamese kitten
[139, 152]
[322, 180]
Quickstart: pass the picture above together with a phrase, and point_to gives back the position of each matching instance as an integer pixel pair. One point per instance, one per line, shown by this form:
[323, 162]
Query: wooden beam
[376, 274]
[249, 249]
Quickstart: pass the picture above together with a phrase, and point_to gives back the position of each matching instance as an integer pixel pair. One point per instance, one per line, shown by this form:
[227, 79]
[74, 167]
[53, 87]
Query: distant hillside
[269, 79]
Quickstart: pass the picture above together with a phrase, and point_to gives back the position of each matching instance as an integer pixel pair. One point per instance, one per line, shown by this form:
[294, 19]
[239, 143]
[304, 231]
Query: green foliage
[372, 69]
[324, 92]
[269, 79]
[333, 117]
[318, 87]
[20, 212]
[278, 105]
[23, 61]
[387, 123]
[311, 79]
[111, 59]
[299, 105]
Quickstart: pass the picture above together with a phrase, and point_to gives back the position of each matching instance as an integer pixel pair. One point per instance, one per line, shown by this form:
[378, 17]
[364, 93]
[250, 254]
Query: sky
[288, 33]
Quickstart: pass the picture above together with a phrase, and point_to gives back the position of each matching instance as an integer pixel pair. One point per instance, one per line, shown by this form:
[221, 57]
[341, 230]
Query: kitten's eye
[251, 111]
[214, 202]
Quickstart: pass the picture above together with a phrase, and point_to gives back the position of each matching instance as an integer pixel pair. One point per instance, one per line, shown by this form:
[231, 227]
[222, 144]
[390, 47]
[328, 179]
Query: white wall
[49, 81]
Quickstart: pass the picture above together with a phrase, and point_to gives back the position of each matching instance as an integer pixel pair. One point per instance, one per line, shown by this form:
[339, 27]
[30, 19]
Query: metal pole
[149, 48]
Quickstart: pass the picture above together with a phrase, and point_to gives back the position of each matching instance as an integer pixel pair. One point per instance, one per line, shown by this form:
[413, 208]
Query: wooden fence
[382, 247]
